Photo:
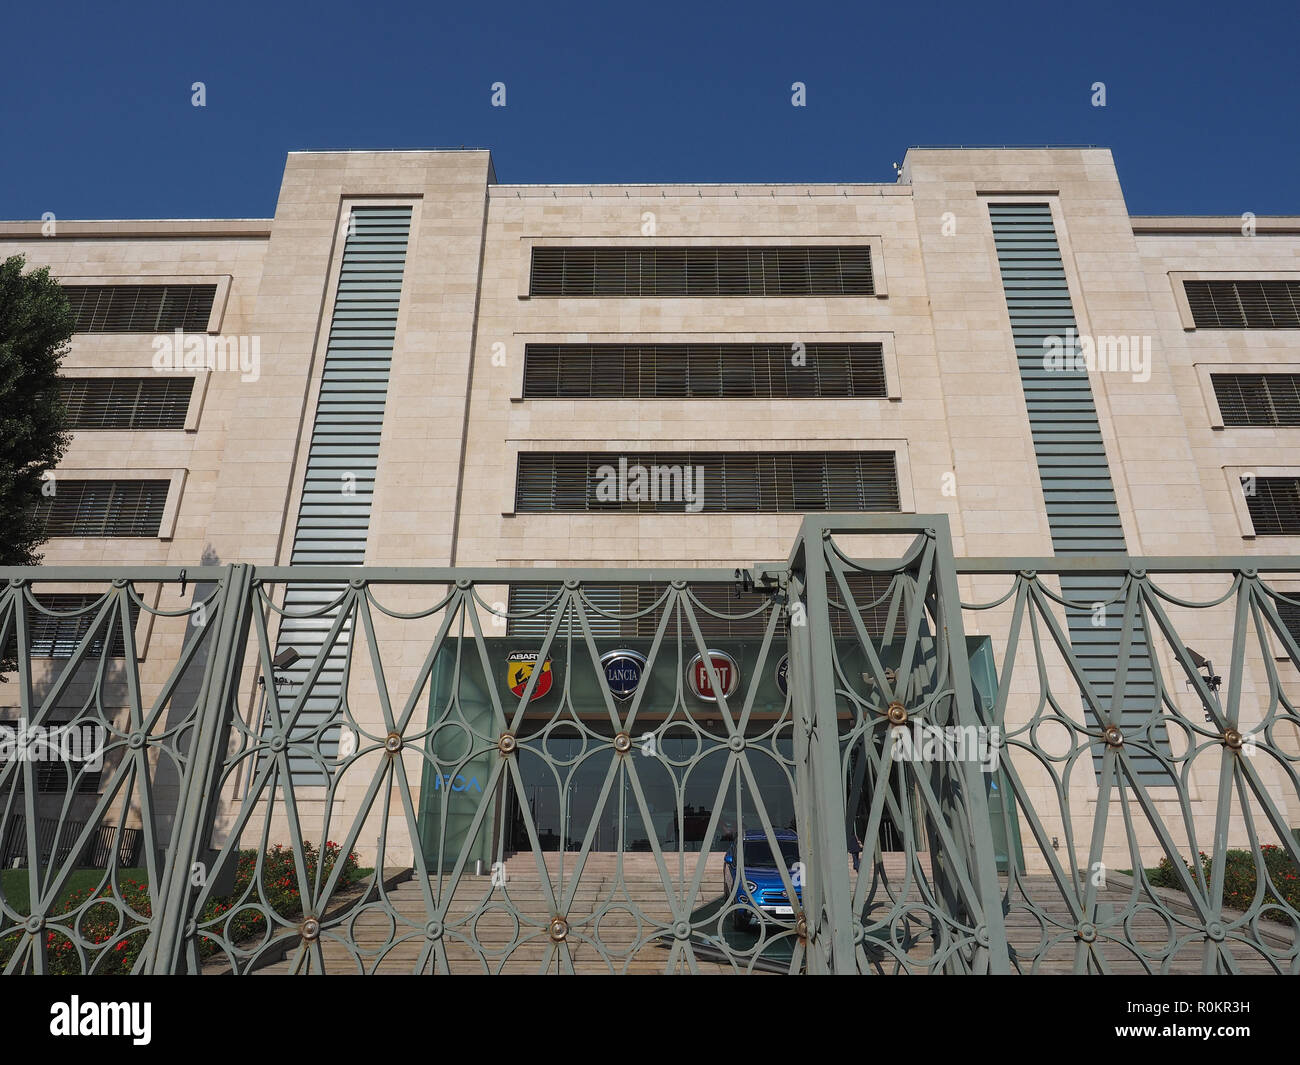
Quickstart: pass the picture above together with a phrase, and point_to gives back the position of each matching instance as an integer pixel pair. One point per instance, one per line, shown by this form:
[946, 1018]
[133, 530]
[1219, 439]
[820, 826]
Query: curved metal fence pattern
[535, 790]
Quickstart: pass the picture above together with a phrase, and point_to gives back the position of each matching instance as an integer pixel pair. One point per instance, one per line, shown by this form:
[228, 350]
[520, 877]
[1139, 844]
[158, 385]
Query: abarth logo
[519, 668]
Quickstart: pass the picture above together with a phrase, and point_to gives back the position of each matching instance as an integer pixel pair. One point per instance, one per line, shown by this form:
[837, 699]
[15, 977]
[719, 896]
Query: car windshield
[758, 855]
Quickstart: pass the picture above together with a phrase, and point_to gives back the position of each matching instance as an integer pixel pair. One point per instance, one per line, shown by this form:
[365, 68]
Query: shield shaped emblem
[519, 668]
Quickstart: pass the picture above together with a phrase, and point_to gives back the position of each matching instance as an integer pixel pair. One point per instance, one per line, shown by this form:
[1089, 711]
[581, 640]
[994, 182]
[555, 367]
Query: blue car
[762, 887]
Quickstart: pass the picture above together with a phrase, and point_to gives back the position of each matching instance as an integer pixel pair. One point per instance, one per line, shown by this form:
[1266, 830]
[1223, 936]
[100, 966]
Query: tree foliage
[36, 323]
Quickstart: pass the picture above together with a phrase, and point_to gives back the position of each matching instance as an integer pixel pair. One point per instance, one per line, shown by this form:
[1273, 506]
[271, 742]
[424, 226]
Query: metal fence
[434, 782]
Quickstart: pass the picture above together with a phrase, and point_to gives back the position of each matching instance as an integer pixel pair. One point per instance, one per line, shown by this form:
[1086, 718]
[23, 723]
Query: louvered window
[1274, 504]
[58, 633]
[1258, 398]
[1244, 304]
[635, 614]
[103, 508]
[711, 482]
[52, 776]
[339, 476]
[819, 270]
[140, 308]
[1070, 452]
[693, 371]
[1289, 615]
[126, 402]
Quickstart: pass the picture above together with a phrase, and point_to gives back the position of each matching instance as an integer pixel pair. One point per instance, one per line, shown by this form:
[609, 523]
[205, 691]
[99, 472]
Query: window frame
[874, 242]
[682, 451]
[166, 526]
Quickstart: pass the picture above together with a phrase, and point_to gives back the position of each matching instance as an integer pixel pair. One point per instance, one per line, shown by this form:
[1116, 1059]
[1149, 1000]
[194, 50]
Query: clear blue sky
[97, 120]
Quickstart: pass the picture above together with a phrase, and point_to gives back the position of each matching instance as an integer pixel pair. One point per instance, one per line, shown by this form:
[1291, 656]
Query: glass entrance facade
[681, 790]
[679, 783]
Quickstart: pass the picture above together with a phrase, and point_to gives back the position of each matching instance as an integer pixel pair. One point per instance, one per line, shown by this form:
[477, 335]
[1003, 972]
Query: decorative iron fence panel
[668, 781]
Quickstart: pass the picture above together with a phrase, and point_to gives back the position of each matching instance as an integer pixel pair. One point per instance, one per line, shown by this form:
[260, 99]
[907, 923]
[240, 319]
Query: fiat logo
[728, 673]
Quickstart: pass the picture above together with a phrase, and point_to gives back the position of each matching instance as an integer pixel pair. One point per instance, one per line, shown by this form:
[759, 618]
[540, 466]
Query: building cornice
[1213, 224]
[138, 228]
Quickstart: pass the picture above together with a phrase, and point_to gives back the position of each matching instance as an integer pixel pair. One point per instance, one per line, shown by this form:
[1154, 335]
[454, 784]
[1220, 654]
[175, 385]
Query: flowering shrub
[279, 894]
[1239, 877]
[108, 919]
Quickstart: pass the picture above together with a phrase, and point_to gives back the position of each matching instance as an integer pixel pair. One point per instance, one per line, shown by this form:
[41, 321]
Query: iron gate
[447, 779]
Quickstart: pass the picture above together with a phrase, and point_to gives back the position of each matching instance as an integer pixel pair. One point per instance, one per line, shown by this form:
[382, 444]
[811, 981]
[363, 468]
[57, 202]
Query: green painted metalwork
[580, 831]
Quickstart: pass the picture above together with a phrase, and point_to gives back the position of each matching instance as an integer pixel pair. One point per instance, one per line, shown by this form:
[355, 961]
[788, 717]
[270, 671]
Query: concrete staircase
[614, 917]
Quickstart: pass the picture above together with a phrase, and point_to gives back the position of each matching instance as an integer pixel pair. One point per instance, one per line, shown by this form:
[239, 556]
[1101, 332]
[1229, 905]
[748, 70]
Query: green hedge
[1239, 877]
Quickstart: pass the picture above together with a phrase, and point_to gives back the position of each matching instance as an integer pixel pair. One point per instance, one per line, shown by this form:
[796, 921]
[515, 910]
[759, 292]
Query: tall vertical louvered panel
[339, 479]
[1081, 507]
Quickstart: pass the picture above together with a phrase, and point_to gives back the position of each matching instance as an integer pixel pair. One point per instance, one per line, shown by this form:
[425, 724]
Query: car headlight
[750, 886]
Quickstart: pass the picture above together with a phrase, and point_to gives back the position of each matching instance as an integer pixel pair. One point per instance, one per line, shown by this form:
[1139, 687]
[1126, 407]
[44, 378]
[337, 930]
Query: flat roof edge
[378, 151]
[1213, 224]
[137, 227]
[765, 188]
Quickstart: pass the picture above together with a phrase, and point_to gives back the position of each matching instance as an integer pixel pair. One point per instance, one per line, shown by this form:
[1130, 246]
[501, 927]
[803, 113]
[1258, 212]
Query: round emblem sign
[623, 670]
[697, 675]
[519, 668]
[782, 675]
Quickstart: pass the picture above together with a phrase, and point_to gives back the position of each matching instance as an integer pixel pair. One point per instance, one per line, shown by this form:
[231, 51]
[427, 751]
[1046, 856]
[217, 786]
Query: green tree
[36, 323]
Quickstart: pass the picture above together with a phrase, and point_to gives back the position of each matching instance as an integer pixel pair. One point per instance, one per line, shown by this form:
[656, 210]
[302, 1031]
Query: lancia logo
[519, 668]
[697, 675]
[623, 670]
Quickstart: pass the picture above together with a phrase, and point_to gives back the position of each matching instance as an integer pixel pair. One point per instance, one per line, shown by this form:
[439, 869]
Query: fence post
[992, 935]
[828, 905]
[201, 783]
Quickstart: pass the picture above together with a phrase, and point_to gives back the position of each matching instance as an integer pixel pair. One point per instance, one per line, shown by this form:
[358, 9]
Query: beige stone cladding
[456, 422]
[227, 253]
[1151, 425]
[502, 424]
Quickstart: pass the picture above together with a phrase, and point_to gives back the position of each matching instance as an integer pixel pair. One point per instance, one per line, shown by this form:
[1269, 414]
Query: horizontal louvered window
[692, 371]
[126, 402]
[1274, 504]
[58, 633]
[52, 776]
[140, 308]
[1258, 398]
[710, 482]
[1289, 615]
[818, 270]
[1244, 304]
[103, 508]
[635, 615]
